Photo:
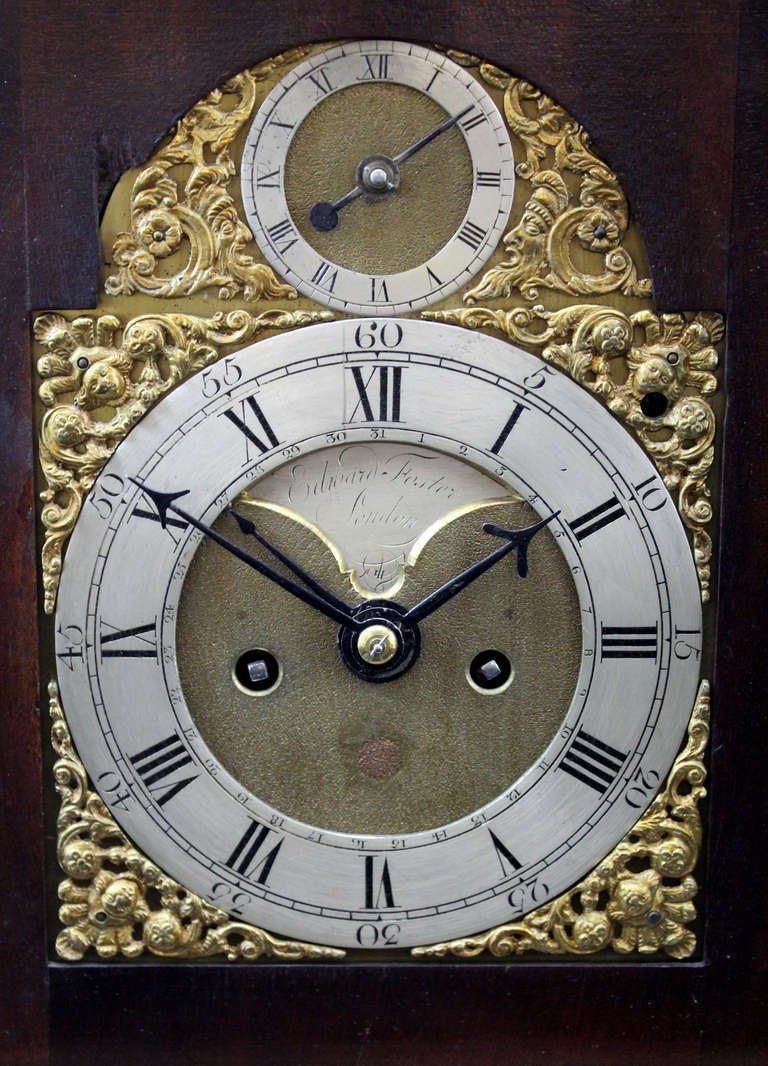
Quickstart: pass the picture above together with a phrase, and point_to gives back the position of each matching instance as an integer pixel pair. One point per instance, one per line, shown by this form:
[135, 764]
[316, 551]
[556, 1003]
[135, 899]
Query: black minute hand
[249, 529]
[165, 502]
[516, 540]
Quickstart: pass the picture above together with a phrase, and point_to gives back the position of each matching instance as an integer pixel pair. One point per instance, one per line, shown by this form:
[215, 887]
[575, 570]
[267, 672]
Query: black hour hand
[521, 538]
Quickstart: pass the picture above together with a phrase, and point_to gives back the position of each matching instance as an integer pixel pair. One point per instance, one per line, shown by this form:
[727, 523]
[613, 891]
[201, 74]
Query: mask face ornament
[376, 626]
[286, 741]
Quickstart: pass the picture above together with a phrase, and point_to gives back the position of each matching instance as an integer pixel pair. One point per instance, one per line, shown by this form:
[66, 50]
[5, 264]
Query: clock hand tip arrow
[163, 501]
[246, 525]
[521, 538]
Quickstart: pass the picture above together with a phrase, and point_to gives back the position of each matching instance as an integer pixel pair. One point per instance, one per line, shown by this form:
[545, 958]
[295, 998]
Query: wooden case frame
[672, 95]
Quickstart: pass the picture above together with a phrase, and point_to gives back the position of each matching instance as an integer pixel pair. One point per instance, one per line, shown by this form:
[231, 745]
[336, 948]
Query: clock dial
[386, 769]
[377, 177]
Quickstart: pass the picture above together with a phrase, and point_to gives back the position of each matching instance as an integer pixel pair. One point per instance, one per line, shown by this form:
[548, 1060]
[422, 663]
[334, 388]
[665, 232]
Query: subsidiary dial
[378, 177]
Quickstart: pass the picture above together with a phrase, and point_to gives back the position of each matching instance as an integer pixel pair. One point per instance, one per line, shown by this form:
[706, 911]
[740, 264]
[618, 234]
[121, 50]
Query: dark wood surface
[673, 94]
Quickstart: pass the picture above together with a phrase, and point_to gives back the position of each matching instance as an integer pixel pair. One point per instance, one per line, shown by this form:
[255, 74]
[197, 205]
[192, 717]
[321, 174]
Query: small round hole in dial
[257, 672]
[490, 671]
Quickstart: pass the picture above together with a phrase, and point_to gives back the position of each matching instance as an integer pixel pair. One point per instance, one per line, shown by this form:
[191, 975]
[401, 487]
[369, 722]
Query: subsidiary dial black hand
[377, 176]
[516, 540]
[166, 501]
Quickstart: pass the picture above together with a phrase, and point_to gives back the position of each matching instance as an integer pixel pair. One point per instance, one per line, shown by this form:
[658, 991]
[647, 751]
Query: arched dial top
[123, 630]
[377, 177]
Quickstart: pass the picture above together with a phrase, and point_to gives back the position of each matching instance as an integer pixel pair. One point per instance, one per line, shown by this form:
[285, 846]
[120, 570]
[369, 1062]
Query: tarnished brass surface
[400, 231]
[114, 901]
[299, 748]
[639, 898]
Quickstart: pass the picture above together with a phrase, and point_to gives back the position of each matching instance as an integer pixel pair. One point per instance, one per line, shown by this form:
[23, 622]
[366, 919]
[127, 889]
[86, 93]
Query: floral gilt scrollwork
[100, 377]
[655, 372]
[114, 901]
[185, 230]
[576, 212]
[639, 898]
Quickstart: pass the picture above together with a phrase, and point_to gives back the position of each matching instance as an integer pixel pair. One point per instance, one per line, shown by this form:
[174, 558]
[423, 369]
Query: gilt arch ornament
[568, 282]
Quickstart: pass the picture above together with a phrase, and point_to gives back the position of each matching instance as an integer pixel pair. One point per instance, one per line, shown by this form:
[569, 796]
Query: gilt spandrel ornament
[654, 372]
[637, 900]
[100, 375]
[185, 232]
[570, 239]
[115, 902]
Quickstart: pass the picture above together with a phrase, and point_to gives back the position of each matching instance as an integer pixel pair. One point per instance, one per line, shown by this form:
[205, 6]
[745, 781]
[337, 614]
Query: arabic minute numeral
[683, 646]
[640, 788]
[214, 378]
[369, 934]
[523, 897]
[72, 637]
[374, 334]
[109, 489]
[649, 491]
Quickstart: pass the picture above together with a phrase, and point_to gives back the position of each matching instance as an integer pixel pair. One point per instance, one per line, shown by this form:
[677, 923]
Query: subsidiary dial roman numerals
[472, 235]
[325, 276]
[378, 884]
[255, 852]
[157, 767]
[377, 394]
[320, 79]
[473, 119]
[376, 68]
[592, 761]
[283, 235]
